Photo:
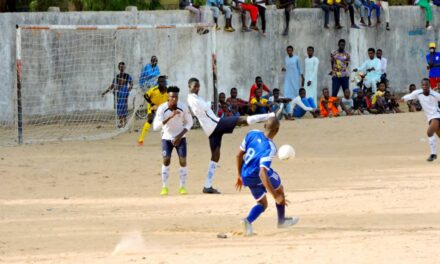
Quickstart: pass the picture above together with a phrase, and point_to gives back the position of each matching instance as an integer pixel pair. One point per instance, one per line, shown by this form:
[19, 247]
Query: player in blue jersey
[254, 171]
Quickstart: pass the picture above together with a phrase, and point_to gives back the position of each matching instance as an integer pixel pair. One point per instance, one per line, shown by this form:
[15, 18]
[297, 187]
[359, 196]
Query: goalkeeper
[155, 97]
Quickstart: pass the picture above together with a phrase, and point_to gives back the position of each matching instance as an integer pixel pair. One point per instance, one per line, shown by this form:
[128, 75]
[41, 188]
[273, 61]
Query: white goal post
[62, 71]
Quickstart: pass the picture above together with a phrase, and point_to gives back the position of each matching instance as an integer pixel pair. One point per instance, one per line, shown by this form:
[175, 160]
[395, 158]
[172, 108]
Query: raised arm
[411, 96]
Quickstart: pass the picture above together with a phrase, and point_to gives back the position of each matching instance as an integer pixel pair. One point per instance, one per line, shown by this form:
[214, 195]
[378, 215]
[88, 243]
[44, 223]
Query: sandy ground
[360, 185]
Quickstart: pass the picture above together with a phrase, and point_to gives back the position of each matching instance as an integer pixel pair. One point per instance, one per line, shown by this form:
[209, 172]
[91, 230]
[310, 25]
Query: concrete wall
[241, 56]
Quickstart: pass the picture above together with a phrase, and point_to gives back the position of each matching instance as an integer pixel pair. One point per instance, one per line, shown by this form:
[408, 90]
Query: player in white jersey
[215, 127]
[175, 120]
[429, 99]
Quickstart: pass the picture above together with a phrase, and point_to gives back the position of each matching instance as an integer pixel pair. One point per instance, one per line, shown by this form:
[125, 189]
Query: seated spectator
[238, 106]
[258, 84]
[378, 101]
[347, 5]
[425, 4]
[217, 7]
[328, 105]
[259, 105]
[253, 12]
[362, 11]
[413, 105]
[360, 106]
[195, 9]
[370, 5]
[278, 101]
[224, 110]
[261, 4]
[331, 5]
[391, 105]
[373, 68]
[369, 99]
[301, 105]
[347, 104]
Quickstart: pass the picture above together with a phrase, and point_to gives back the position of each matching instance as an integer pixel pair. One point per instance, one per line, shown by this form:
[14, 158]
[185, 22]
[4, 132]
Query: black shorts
[167, 148]
[433, 119]
[226, 125]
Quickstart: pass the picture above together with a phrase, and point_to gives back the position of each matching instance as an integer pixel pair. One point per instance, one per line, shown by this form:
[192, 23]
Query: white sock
[165, 174]
[258, 118]
[433, 144]
[183, 172]
[211, 171]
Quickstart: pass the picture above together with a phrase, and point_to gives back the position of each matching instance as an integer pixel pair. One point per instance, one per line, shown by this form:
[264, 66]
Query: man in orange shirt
[328, 105]
[258, 84]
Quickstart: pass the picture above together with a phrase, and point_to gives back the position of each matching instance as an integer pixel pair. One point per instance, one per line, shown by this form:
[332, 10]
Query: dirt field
[360, 185]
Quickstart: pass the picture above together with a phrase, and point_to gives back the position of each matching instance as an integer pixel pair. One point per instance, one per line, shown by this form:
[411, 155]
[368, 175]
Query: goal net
[62, 72]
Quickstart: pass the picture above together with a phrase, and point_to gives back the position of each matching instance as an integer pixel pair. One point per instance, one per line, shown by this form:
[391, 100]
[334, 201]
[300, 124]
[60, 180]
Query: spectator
[385, 7]
[369, 99]
[347, 5]
[217, 8]
[340, 60]
[259, 105]
[413, 105]
[188, 5]
[258, 84]
[328, 105]
[330, 5]
[347, 104]
[279, 101]
[292, 76]
[428, 11]
[433, 61]
[261, 4]
[372, 67]
[383, 65]
[302, 104]
[121, 86]
[362, 11]
[238, 106]
[378, 102]
[391, 105]
[360, 104]
[370, 5]
[288, 6]
[149, 74]
[224, 110]
[253, 12]
[311, 74]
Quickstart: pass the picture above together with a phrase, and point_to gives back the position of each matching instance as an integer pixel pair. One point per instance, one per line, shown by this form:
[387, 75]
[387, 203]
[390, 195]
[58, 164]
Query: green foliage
[43, 5]
[303, 3]
[400, 2]
[199, 2]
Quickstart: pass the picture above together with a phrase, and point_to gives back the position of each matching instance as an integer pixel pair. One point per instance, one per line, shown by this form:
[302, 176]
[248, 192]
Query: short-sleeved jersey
[340, 63]
[429, 102]
[122, 80]
[156, 97]
[174, 126]
[259, 152]
[435, 71]
[254, 100]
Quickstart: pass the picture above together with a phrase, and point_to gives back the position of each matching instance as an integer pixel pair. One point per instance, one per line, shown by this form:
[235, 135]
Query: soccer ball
[286, 152]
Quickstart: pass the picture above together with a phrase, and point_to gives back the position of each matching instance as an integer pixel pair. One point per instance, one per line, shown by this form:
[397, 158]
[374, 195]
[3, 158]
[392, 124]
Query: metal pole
[214, 69]
[19, 108]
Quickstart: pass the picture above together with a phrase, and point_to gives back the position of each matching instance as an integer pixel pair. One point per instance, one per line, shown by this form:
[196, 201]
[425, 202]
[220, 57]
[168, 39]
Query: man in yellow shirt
[155, 97]
[259, 105]
[378, 100]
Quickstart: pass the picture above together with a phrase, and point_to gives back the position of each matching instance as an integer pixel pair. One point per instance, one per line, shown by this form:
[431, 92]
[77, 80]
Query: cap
[432, 45]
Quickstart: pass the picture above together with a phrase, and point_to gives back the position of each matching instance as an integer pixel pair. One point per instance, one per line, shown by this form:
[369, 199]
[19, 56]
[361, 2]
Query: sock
[211, 171]
[145, 130]
[183, 172]
[165, 174]
[255, 213]
[433, 144]
[258, 118]
[281, 213]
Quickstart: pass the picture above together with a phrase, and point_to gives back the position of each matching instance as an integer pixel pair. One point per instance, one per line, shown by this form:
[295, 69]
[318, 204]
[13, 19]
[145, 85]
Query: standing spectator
[340, 60]
[360, 104]
[258, 84]
[328, 105]
[383, 65]
[217, 8]
[386, 9]
[347, 5]
[278, 102]
[370, 5]
[253, 12]
[188, 5]
[347, 104]
[261, 4]
[311, 74]
[372, 67]
[433, 61]
[292, 76]
[302, 105]
[149, 74]
[428, 11]
[259, 105]
[288, 6]
[237, 105]
[121, 86]
[330, 5]
[413, 105]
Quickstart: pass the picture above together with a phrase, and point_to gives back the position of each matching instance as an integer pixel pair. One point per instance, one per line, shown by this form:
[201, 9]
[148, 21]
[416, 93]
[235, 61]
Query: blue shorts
[167, 148]
[226, 125]
[257, 188]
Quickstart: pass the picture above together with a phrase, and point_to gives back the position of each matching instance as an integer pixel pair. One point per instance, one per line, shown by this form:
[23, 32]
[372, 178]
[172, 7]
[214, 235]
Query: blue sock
[255, 213]
[281, 213]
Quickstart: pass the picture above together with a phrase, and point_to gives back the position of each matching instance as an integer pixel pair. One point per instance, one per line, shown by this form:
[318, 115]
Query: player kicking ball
[429, 99]
[253, 165]
[175, 120]
[215, 127]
